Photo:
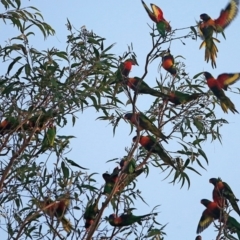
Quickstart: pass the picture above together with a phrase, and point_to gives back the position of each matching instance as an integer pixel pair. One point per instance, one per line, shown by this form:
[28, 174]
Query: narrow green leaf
[194, 31]
[12, 64]
[201, 152]
[65, 170]
[96, 52]
[62, 55]
[75, 164]
[197, 75]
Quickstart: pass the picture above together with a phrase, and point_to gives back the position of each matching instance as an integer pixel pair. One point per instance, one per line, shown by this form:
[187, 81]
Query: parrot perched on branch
[214, 212]
[128, 166]
[151, 144]
[127, 219]
[168, 63]
[57, 209]
[208, 26]
[91, 212]
[124, 70]
[41, 120]
[215, 87]
[221, 192]
[14, 124]
[144, 123]
[178, 97]
[110, 180]
[156, 15]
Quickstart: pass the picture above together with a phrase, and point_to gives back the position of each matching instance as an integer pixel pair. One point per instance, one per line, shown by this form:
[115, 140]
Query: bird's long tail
[194, 96]
[158, 133]
[66, 224]
[155, 93]
[165, 157]
[147, 215]
[210, 50]
[226, 104]
[150, 214]
[235, 205]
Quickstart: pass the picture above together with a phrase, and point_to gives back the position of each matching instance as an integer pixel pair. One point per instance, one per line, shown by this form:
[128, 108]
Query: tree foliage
[42, 91]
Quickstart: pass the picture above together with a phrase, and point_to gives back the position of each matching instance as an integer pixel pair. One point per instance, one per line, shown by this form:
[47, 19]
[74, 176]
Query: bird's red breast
[207, 23]
[128, 65]
[144, 140]
[117, 220]
[220, 185]
[132, 83]
[212, 209]
[221, 201]
[167, 62]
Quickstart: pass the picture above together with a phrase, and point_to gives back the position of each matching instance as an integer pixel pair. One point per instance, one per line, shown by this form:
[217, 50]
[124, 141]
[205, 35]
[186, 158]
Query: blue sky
[124, 22]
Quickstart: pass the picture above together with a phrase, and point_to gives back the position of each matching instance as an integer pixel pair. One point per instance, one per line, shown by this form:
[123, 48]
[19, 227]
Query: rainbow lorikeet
[126, 67]
[207, 26]
[217, 196]
[178, 97]
[231, 224]
[226, 79]
[128, 166]
[215, 87]
[110, 180]
[210, 46]
[139, 86]
[168, 63]
[12, 124]
[211, 213]
[142, 122]
[91, 212]
[124, 70]
[226, 16]
[57, 209]
[150, 144]
[156, 15]
[127, 219]
[222, 190]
